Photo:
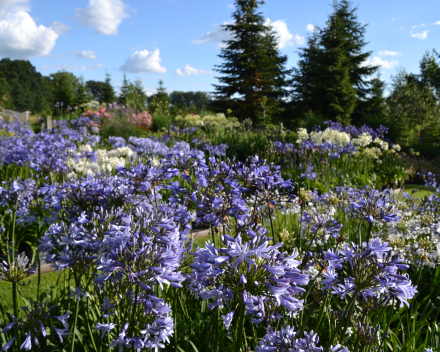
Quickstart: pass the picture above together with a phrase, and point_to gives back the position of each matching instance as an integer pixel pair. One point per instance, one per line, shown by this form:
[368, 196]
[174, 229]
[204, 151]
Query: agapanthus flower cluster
[17, 270]
[287, 340]
[370, 270]
[34, 325]
[373, 207]
[252, 273]
[320, 225]
[137, 256]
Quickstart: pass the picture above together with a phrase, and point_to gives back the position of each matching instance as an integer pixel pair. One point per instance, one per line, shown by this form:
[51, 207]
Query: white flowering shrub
[89, 162]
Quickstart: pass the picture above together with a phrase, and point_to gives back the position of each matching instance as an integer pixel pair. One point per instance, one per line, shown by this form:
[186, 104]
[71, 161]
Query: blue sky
[179, 40]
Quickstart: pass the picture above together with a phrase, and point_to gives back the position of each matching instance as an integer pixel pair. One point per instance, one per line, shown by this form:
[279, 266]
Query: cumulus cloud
[218, 34]
[310, 27]
[60, 28]
[285, 38]
[422, 36]
[21, 38]
[437, 23]
[389, 53]
[103, 15]
[298, 39]
[377, 61]
[143, 61]
[69, 67]
[13, 6]
[190, 71]
[86, 54]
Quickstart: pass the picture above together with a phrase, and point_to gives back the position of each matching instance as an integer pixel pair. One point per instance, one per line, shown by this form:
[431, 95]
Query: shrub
[161, 121]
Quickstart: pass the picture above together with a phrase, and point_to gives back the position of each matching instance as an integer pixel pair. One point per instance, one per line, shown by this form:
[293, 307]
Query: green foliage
[124, 90]
[159, 103]
[252, 68]
[330, 79]
[311, 120]
[135, 96]
[82, 96]
[27, 88]
[96, 90]
[109, 95]
[189, 102]
[65, 87]
[413, 111]
[161, 121]
[120, 125]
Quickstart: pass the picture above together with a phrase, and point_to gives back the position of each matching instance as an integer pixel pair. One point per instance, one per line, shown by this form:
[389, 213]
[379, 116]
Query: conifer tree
[331, 77]
[82, 96]
[124, 90]
[109, 95]
[252, 68]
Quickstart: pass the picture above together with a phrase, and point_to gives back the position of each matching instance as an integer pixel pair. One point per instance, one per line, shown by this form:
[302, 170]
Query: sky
[179, 41]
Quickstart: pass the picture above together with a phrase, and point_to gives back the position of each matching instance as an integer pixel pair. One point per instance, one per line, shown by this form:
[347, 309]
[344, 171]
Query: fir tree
[82, 96]
[253, 68]
[331, 77]
[124, 90]
[109, 95]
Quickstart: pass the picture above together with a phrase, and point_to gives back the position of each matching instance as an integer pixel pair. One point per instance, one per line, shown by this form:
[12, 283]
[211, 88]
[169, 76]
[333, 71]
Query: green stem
[86, 312]
[314, 236]
[339, 326]
[133, 315]
[39, 276]
[72, 346]
[13, 231]
[309, 314]
[238, 334]
[370, 227]
[271, 224]
[388, 325]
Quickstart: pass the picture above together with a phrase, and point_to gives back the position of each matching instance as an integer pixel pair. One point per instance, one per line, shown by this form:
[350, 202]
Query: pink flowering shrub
[101, 113]
[143, 120]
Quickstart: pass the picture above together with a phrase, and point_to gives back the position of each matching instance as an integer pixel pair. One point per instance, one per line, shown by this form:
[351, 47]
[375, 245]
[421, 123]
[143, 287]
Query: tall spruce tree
[82, 96]
[124, 90]
[109, 95]
[253, 67]
[331, 77]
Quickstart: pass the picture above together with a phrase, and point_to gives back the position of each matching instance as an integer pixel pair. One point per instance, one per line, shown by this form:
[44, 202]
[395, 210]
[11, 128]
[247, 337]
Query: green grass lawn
[422, 191]
[47, 283]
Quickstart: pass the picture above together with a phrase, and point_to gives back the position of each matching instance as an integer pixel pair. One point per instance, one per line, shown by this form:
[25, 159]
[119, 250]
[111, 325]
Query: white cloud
[21, 38]
[86, 54]
[13, 6]
[377, 61]
[310, 27]
[143, 61]
[216, 35]
[285, 38]
[103, 15]
[69, 67]
[422, 36]
[299, 40]
[60, 28]
[190, 71]
[230, 6]
[437, 23]
[419, 25]
[389, 53]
